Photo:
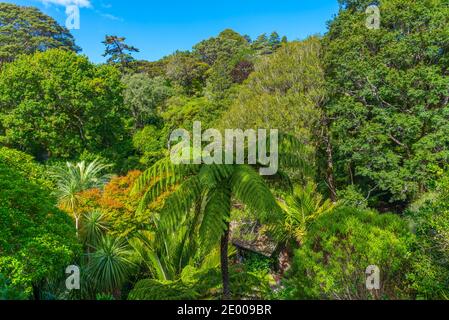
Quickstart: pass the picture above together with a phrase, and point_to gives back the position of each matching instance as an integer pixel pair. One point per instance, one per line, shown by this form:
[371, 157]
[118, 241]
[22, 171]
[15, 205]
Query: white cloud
[79, 3]
[110, 16]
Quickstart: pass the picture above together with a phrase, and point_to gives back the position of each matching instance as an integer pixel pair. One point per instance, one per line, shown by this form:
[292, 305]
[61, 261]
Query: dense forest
[86, 179]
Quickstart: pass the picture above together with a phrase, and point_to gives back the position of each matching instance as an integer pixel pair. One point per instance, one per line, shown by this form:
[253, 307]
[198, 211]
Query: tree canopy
[55, 92]
[25, 30]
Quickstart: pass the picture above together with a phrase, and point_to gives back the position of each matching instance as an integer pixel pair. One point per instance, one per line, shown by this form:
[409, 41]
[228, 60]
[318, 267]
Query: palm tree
[300, 210]
[110, 265]
[206, 193]
[95, 226]
[74, 179]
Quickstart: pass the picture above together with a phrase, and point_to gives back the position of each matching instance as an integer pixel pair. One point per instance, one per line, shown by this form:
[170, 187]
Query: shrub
[340, 246]
[37, 241]
[430, 221]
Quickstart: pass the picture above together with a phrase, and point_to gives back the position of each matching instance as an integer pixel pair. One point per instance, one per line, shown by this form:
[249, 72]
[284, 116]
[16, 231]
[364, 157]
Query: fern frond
[217, 213]
[249, 188]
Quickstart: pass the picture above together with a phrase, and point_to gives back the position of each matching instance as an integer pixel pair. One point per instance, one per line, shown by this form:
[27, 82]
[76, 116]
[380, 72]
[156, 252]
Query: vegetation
[86, 177]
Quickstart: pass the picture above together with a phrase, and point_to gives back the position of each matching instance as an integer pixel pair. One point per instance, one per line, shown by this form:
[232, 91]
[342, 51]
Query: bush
[8, 292]
[26, 165]
[430, 276]
[340, 246]
[37, 241]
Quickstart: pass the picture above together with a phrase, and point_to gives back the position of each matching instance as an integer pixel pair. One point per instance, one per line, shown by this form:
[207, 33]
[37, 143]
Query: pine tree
[118, 51]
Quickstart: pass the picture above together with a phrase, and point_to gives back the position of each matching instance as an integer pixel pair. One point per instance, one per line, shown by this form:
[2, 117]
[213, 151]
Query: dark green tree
[118, 52]
[58, 104]
[25, 30]
[389, 89]
[274, 40]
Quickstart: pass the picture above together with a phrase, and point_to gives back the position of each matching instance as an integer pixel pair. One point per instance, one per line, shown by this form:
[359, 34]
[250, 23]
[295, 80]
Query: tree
[118, 52]
[206, 192]
[110, 265]
[429, 218]
[74, 179]
[58, 104]
[25, 30]
[389, 98]
[27, 166]
[143, 95]
[117, 206]
[284, 93]
[37, 241]
[95, 226]
[226, 55]
[274, 40]
[227, 44]
[262, 45]
[186, 71]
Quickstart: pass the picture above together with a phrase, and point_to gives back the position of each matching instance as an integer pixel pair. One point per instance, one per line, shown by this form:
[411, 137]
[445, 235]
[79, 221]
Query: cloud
[110, 17]
[79, 3]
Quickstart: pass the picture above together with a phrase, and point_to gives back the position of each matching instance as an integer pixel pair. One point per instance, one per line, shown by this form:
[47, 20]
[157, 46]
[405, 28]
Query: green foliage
[25, 30]
[110, 265]
[149, 142]
[143, 96]
[283, 93]
[58, 104]
[74, 179]
[431, 264]
[351, 197]
[388, 96]
[204, 284]
[212, 185]
[95, 226]
[341, 245]
[227, 44]
[257, 263]
[7, 292]
[25, 164]
[37, 241]
[118, 52]
[187, 72]
[225, 55]
[301, 210]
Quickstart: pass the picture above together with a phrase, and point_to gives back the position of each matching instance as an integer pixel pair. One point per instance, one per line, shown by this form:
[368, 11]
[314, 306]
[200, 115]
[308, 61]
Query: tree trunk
[225, 265]
[77, 225]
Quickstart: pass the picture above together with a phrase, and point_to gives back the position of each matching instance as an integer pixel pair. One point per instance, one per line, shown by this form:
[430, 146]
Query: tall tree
[274, 40]
[206, 193]
[25, 30]
[187, 71]
[118, 52]
[285, 93]
[389, 106]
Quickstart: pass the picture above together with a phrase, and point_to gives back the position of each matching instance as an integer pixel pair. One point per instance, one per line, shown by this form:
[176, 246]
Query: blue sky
[159, 27]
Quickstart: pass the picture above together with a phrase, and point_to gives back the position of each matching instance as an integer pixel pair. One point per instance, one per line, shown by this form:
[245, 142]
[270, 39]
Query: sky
[160, 27]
